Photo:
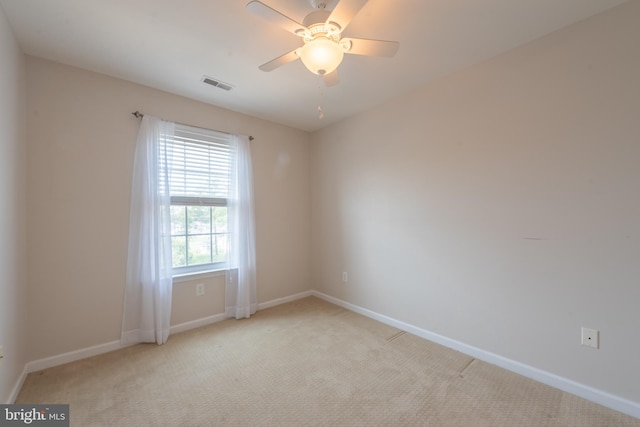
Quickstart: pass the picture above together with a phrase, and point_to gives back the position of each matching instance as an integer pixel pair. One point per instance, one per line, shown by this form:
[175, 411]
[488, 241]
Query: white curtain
[147, 301]
[240, 297]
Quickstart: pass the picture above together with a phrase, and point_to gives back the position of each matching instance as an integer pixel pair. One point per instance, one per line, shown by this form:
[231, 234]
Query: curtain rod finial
[138, 114]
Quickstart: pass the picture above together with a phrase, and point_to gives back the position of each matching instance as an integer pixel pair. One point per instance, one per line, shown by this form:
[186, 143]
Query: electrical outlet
[345, 276]
[590, 337]
[199, 289]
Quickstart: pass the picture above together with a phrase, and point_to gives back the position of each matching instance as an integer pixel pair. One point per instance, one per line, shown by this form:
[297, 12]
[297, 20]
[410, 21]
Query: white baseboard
[17, 386]
[279, 301]
[83, 353]
[589, 393]
[72, 356]
[182, 327]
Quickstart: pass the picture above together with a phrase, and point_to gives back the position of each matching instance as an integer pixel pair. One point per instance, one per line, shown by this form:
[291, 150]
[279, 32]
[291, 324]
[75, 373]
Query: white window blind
[199, 166]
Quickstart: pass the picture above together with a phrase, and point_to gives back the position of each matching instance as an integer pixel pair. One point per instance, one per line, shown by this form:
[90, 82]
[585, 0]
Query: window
[199, 166]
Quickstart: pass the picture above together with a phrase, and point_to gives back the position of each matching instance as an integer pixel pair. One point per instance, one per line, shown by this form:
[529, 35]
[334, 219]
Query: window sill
[188, 277]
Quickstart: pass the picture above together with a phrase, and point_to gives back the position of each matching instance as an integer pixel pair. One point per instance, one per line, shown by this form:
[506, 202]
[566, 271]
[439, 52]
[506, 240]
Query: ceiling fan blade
[331, 79]
[371, 47]
[262, 10]
[279, 61]
[344, 12]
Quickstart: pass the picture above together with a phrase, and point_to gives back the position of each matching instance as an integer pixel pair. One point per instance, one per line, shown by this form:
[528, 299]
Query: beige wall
[13, 273]
[500, 206]
[81, 143]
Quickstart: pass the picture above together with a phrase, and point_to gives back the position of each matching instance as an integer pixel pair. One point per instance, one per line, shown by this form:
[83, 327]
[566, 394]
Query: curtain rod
[139, 115]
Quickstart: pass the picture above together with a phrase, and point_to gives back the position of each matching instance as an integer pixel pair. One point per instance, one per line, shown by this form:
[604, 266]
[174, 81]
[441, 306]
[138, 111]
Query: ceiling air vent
[216, 83]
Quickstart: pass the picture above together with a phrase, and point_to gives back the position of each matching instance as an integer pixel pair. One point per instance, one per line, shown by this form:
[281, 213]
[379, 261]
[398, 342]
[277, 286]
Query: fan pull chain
[320, 112]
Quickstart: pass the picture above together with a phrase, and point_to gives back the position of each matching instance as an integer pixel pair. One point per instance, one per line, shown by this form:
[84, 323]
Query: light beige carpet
[303, 363]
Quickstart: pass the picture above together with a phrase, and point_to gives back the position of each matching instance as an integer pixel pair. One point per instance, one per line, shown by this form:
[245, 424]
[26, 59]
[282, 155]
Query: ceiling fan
[321, 32]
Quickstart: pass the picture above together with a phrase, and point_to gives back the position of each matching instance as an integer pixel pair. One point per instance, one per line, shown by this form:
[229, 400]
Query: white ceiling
[171, 44]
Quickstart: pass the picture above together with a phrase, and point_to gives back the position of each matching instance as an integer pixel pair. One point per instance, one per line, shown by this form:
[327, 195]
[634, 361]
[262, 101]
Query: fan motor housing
[316, 17]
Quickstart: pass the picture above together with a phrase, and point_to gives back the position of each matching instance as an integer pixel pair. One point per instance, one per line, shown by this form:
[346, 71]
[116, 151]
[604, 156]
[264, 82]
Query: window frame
[199, 201]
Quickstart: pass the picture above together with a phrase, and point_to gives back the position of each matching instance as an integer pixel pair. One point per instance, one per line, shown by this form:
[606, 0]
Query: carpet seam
[396, 336]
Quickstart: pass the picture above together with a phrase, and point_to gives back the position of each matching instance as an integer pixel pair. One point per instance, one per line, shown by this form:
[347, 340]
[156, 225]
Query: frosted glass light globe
[321, 56]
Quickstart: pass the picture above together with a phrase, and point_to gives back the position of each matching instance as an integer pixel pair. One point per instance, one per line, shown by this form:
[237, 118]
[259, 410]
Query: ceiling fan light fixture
[321, 56]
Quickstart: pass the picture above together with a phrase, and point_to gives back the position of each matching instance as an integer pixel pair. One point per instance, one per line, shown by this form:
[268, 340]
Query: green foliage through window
[199, 235]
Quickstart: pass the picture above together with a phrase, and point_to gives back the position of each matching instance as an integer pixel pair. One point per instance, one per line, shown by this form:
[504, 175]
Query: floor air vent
[216, 83]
